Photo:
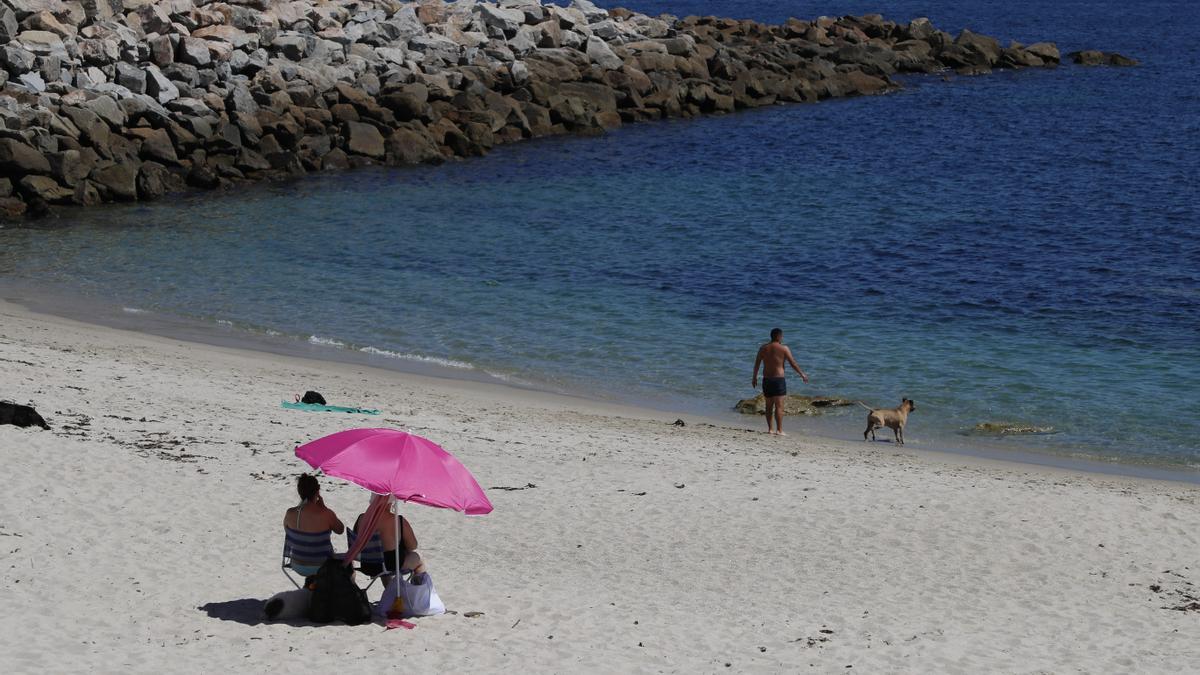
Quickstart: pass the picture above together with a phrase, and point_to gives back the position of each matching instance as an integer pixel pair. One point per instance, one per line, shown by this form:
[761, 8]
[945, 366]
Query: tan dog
[892, 418]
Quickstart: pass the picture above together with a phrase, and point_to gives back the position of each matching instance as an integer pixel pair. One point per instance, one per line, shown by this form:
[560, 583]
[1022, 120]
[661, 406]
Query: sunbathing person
[307, 527]
[410, 560]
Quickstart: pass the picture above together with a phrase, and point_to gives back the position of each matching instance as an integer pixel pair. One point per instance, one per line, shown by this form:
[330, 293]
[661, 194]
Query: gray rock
[17, 158]
[1046, 51]
[156, 145]
[154, 19]
[408, 146]
[158, 86]
[99, 52]
[240, 39]
[519, 72]
[32, 81]
[364, 139]
[118, 180]
[46, 189]
[107, 109]
[50, 67]
[434, 48]
[526, 40]
[155, 180]
[240, 100]
[70, 166]
[131, 77]
[293, 47]
[24, 8]
[16, 60]
[99, 10]
[92, 129]
[606, 30]
[193, 51]
[981, 49]
[591, 12]
[43, 43]
[162, 50]
[602, 55]
[8, 24]
[505, 20]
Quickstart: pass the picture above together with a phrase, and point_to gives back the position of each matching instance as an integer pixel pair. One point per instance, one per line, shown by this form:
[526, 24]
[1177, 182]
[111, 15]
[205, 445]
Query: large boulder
[409, 146]
[156, 145]
[46, 189]
[17, 158]
[131, 77]
[108, 110]
[1046, 51]
[8, 24]
[505, 20]
[793, 404]
[155, 180]
[43, 43]
[981, 49]
[364, 139]
[158, 86]
[194, 52]
[602, 55]
[93, 130]
[119, 180]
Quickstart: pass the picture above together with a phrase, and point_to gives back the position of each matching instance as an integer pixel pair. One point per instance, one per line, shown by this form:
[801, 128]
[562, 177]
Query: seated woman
[385, 531]
[307, 527]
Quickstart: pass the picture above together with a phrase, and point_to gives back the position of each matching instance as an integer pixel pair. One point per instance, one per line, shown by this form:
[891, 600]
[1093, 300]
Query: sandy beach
[142, 533]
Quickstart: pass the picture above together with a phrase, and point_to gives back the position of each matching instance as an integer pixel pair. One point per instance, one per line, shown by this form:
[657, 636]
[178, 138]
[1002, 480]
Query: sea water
[1014, 248]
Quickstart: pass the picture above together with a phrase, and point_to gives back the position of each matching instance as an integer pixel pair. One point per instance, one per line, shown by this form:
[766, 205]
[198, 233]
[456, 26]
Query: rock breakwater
[121, 100]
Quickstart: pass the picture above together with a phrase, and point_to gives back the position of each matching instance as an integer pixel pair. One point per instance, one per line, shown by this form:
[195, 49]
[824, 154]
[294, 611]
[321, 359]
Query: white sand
[141, 533]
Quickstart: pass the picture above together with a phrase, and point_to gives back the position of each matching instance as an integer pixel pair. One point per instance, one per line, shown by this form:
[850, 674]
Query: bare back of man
[774, 357]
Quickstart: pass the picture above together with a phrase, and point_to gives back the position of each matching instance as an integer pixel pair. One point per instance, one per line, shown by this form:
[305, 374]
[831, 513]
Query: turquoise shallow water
[1013, 248]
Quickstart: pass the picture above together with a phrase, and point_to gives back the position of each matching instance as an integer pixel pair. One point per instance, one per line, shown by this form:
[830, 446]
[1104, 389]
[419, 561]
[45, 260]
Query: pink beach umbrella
[399, 464]
[395, 465]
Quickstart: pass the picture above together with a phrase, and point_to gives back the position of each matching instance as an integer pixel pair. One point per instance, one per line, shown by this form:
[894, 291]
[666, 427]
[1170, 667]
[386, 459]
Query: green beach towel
[313, 407]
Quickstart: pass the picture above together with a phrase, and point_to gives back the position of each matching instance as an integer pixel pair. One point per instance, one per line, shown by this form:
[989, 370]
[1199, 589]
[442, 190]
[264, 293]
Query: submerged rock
[793, 404]
[1009, 429]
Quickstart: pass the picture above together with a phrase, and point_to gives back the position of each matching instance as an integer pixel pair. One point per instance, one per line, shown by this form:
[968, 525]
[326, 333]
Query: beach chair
[370, 559]
[304, 552]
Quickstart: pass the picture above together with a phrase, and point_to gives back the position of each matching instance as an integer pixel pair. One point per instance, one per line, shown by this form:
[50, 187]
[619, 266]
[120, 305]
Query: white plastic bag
[416, 599]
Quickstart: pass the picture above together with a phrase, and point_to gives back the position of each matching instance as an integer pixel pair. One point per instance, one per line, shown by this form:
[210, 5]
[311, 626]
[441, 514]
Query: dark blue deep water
[1019, 247]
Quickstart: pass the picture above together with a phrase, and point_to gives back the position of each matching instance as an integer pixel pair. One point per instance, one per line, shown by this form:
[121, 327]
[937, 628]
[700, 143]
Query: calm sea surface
[1020, 247]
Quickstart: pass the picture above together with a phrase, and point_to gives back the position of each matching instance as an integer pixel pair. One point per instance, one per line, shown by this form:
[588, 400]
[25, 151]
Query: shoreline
[611, 546]
[810, 429]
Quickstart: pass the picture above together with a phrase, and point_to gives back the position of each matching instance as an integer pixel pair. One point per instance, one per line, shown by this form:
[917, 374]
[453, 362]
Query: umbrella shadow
[249, 612]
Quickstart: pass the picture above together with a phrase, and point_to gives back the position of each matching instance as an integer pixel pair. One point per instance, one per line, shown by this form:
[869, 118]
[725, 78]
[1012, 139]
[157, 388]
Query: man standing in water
[773, 356]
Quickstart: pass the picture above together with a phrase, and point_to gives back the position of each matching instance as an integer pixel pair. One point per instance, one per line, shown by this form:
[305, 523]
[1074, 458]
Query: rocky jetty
[119, 100]
[793, 404]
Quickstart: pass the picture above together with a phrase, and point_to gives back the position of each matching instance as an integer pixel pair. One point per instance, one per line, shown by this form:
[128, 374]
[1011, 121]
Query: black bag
[335, 596]
[313, 397]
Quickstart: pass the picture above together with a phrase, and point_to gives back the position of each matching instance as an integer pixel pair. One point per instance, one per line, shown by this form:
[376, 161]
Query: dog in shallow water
[892, 418]
[20, 415]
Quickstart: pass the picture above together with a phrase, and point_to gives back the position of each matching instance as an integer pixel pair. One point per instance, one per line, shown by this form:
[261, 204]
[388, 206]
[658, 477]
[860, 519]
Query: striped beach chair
[370, 559]
[304, 553]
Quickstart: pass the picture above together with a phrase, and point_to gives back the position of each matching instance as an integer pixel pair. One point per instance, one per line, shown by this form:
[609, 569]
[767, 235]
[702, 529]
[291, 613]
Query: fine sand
[143, 531]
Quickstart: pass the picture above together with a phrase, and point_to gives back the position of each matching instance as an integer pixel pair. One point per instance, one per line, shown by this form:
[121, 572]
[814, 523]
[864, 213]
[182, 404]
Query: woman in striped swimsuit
[307, 527]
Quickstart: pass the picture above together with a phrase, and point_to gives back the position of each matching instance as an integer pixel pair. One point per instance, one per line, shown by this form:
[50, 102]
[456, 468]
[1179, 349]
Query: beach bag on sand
[312, 397]
[335, 596]
[415, 599]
